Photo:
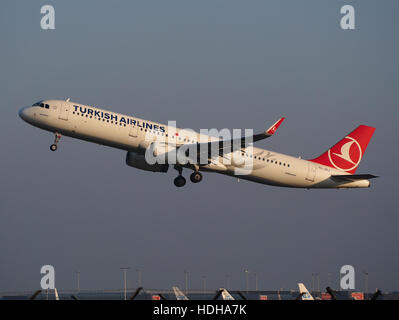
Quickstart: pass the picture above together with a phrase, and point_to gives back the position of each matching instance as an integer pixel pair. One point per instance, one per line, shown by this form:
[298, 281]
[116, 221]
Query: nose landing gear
[57, 138]
[196, 177]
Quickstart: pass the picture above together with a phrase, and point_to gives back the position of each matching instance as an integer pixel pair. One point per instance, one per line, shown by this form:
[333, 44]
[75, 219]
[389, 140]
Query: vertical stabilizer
[305, 293]
[346, 154]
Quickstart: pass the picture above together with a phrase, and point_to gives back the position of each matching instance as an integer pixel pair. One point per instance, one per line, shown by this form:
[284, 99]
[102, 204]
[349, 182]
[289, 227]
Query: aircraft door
[64, 111]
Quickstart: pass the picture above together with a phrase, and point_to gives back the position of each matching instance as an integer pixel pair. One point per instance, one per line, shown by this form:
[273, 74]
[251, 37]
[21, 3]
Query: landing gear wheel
[196, 177]
[57, 138]
[179, 181]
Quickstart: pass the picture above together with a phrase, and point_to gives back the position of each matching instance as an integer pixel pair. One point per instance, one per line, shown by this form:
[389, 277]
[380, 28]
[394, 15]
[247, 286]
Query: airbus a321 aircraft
[335, 168]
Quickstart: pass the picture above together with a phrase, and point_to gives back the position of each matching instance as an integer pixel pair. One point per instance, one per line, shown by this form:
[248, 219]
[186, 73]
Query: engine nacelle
[138, 161]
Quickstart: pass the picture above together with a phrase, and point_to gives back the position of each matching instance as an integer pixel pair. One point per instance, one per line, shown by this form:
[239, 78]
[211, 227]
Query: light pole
[312, 282]
[186, 280]
[366, 282]
[78, 280]
[246, 279]
[139, 283]
[124, 269]
[228, 282]
[256, 282]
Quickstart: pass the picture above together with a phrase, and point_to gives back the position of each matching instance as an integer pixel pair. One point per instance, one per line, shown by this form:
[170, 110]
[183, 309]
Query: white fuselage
[132, 134]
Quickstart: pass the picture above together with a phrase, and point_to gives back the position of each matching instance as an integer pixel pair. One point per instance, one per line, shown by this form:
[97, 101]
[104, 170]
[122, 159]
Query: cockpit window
[37, 104]
[42, 105]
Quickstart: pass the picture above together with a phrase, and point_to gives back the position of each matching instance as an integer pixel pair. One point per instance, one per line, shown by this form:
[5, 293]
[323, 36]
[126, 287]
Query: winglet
[275, 126]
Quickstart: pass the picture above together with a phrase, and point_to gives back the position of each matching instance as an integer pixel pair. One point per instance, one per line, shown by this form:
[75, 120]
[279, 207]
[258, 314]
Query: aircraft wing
[227, 146]
[243, 141]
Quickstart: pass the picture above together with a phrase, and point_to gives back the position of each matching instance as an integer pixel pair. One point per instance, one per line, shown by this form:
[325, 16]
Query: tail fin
[347, 153]
[179, 295]
[305, 293]
[226, 295]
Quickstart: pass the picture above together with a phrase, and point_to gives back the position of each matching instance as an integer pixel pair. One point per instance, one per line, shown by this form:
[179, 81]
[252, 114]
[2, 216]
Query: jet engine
[138, 161]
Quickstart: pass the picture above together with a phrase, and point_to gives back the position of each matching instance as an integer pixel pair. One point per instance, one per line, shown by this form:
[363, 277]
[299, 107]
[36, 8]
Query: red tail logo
[347, 153]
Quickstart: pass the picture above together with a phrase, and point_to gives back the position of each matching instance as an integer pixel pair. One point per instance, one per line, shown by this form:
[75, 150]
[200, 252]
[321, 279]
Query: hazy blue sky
[205, 64]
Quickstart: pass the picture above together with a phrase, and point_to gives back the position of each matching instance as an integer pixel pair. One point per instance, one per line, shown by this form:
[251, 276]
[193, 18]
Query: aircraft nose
[23, 113]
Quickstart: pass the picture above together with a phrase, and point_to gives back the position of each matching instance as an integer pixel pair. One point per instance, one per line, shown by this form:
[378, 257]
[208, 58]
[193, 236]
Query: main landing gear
[180, 181]
[196, 177]
[57, 138]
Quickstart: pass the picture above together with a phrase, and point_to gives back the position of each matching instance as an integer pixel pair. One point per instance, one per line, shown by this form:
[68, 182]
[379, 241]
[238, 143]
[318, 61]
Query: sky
[204, 64]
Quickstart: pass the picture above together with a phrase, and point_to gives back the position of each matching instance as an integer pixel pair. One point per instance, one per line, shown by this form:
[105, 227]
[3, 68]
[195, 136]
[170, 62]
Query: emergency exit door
[64, 111]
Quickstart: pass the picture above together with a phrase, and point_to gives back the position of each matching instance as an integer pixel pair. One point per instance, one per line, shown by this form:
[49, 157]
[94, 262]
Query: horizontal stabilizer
[353, 177]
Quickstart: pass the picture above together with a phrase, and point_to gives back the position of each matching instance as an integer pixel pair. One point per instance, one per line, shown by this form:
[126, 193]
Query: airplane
[236, 157]
[226, 295]
[179, 295]
[305, 295]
